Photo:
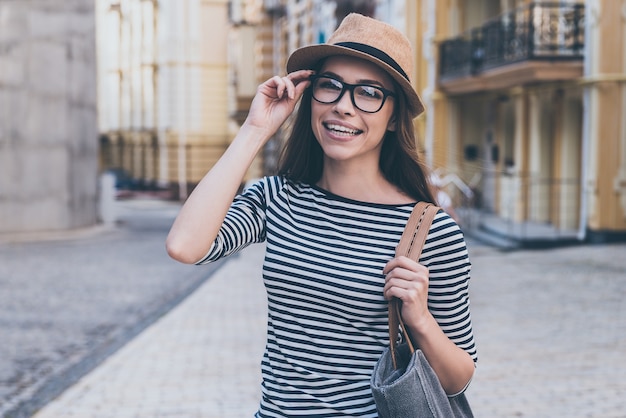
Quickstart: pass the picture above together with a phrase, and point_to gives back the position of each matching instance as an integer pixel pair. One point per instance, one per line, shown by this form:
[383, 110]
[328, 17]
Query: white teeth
[342, 129]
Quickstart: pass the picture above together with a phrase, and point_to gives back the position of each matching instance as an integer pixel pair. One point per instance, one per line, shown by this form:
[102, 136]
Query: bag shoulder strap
[410, 245]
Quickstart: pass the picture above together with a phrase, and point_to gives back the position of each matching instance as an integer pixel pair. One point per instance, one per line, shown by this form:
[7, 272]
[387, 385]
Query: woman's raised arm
[202, 214]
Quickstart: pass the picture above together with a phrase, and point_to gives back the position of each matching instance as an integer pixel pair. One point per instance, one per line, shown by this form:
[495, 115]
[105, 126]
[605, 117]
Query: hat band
[376, 53]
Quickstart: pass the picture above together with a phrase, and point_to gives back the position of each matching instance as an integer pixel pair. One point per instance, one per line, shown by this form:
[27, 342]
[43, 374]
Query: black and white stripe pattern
[327, 318]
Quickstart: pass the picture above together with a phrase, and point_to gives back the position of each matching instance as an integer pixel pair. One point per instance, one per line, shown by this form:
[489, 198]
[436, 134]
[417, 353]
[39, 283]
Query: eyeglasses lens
[366, 98]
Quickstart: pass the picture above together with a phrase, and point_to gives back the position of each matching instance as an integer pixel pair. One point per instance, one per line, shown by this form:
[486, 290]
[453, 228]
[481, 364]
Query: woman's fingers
[405, 278]
[273, 88]
[404, 264]
[276, 98]
[405, 285]
[301, 75]
[296, 82]
[290, 85]
[285, 87]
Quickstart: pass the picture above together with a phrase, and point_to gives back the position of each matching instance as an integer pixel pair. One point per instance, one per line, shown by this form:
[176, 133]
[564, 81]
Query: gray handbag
[403, 383]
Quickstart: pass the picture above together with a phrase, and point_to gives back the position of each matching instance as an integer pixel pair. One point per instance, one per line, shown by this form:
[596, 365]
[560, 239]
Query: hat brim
[307, 57]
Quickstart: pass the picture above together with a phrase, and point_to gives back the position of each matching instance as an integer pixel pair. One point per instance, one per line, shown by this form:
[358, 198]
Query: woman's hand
[408, 281]
[276, 99]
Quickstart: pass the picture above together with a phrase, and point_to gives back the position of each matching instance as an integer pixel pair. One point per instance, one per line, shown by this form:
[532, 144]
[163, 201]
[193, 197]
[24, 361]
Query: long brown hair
[302, 158]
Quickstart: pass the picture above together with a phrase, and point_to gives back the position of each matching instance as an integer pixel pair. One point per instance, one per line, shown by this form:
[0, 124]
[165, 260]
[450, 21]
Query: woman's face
[346, 133]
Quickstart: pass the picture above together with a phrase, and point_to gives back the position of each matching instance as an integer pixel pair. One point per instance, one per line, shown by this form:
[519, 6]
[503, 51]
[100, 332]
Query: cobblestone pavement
[551, 332]
[550, 327]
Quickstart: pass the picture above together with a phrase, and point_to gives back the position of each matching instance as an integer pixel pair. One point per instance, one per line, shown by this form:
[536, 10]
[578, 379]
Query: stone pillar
[48, 132]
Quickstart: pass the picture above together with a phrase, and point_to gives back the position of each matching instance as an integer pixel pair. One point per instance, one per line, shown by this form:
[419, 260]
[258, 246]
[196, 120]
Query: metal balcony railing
[537, 31]
[526, 209]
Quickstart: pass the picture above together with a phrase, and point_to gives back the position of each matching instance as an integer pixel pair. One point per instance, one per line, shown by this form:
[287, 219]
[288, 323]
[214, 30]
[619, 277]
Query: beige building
[524, 100]
[163, 89]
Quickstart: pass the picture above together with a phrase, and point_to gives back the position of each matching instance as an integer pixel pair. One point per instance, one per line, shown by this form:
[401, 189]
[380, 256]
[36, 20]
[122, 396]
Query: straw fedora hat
[369, 39]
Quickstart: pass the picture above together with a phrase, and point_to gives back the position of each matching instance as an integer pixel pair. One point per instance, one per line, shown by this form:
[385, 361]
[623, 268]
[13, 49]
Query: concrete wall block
[45, 214]
[5, 221]
[48, 71]
[46, 120]
[12, 73]
[14, 18]
[82, 82]
[15, 113]
[83, 212]
[82, 23]
[44, 174]
[83, 48]
[7, 217]
[47, 24]
[83, 187]
[4, 118]
[12, 171]
[83, 178]
[7, 179]
[83, 134]
[49, 212]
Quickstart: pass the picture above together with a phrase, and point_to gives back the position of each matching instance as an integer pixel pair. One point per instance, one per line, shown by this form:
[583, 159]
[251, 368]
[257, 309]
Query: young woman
[348, 179]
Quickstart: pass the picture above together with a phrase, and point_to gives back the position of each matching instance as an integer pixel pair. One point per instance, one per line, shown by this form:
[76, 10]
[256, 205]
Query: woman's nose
[344, 104]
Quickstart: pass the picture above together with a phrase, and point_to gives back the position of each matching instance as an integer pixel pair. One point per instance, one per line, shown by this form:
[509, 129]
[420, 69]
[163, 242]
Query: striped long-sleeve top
[327, 318]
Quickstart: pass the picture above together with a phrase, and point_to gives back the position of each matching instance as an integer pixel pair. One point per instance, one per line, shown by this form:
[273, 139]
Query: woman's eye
[330, 84]
[370, 92]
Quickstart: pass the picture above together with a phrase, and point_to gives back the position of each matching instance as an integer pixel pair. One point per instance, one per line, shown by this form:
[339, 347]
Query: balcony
[535, 43]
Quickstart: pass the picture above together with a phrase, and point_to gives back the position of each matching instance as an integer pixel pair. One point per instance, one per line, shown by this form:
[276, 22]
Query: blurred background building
[48, 155]
[163, 89]
[525, 124]
[528, 109]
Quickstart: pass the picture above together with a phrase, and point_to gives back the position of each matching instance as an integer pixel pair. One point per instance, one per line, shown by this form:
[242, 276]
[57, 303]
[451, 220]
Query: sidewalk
[550, 327]
[200, 360]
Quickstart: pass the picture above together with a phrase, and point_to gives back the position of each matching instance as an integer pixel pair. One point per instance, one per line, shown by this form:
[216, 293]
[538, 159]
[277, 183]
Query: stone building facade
[48, 130]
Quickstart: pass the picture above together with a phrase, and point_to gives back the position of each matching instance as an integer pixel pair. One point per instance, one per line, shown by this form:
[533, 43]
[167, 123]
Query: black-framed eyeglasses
[365, 97]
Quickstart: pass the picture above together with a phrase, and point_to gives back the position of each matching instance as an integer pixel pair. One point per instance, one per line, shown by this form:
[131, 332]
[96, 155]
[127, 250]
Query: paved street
[550, 327]
[67, 300]
[551, 332]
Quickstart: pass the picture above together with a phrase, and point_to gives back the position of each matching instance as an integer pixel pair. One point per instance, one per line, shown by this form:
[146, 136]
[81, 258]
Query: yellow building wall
[432, 125]
[606, 84]
[537, 128]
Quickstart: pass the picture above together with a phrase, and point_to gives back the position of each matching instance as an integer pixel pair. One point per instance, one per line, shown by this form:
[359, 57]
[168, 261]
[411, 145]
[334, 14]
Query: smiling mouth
[342, 130]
